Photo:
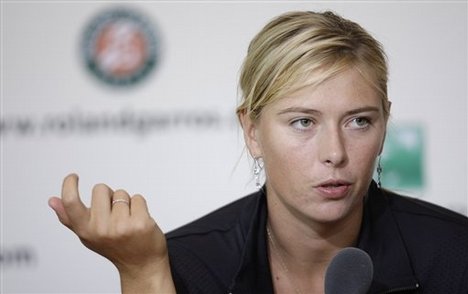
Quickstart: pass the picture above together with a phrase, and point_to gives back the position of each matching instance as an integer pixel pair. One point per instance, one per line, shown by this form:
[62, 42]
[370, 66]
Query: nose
[332, 150]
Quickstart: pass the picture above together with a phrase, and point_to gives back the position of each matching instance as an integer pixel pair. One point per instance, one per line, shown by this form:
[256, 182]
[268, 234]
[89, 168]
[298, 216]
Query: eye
[302, 123]
[360, 123]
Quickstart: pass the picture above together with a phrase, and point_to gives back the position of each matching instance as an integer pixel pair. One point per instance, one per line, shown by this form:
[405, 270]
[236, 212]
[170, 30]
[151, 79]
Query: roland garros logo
[120, 47]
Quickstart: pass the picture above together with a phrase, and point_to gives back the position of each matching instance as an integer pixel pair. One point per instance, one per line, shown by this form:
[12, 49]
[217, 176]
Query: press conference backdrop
[141, 96]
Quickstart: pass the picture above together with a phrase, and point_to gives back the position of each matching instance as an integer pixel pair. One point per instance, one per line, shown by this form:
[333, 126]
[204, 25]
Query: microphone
[349, 272]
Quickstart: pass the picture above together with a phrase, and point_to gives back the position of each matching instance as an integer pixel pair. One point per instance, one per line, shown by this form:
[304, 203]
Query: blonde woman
[314, 114]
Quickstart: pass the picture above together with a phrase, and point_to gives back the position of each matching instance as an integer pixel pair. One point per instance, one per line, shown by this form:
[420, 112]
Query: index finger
[77, 212]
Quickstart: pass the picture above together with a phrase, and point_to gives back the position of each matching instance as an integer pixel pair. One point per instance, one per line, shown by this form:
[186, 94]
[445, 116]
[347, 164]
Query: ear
[250, 129]
[383, 142]
[386, 123]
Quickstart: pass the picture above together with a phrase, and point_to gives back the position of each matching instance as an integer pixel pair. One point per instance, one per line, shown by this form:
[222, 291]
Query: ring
[120, 200]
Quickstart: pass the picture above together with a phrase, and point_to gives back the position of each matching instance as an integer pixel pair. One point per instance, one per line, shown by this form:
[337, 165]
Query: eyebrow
[314, 111]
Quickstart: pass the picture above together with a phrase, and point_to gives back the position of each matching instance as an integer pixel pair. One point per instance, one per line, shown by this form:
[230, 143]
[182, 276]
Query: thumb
[56, 204]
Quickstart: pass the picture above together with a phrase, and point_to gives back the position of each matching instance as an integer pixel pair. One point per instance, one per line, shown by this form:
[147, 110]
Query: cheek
[363, 155]
[286, 158]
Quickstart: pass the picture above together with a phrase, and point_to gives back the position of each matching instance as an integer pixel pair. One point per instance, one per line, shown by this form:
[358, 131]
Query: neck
[300, 251]
[314, 243]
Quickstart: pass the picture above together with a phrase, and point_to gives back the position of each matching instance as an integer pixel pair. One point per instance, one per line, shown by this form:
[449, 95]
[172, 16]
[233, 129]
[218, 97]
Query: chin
[331, 213]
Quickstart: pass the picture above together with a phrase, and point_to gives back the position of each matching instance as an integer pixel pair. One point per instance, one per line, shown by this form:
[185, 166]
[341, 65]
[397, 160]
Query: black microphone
[349, 272]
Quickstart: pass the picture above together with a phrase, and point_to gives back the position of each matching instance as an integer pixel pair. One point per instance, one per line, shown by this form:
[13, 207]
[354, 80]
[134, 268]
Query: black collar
[254, 275]
[379, 236]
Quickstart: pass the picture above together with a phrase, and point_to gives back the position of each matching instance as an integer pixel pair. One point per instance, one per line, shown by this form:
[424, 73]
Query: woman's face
[319, 147]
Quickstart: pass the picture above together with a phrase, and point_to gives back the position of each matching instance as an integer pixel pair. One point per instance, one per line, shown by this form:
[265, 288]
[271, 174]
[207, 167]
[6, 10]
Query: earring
[258, 167]
[379, 174]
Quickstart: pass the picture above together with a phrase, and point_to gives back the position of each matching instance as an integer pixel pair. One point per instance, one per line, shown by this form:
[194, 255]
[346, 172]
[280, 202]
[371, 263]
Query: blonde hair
[299, 49]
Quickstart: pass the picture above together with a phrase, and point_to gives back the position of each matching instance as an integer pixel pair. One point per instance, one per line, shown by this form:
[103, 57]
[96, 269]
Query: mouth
[334, 189]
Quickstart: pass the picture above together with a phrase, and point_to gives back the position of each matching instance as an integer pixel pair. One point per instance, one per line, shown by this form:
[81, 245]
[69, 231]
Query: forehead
[345, 90]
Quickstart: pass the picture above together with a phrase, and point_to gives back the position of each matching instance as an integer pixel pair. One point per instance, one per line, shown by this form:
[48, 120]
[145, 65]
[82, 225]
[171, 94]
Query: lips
[333, 189]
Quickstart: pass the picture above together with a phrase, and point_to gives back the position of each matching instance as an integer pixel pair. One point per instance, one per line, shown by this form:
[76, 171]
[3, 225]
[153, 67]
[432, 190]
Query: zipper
[415, 287]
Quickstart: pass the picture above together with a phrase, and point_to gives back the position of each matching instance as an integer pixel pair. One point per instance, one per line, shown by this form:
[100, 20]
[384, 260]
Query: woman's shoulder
[220, 220]
[436, 241]
[415, 209]
[431, 232]
[205, 253]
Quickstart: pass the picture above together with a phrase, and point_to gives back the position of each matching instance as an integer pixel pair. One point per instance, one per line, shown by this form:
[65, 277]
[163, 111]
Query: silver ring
[120, 200]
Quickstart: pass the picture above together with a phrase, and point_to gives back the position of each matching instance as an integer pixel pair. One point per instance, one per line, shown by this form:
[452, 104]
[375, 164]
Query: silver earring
[258, 167]
[379, 174]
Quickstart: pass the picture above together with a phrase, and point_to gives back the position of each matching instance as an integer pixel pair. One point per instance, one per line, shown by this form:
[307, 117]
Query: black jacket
[416, 247]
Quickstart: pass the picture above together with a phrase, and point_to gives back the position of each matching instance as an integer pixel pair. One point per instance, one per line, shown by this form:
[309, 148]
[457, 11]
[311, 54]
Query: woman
[314, 115]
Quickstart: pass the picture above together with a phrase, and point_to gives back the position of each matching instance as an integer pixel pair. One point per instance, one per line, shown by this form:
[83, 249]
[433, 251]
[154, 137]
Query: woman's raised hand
[120, 228]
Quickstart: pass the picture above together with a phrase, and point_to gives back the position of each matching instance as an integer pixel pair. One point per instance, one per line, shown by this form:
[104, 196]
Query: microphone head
[350, 272]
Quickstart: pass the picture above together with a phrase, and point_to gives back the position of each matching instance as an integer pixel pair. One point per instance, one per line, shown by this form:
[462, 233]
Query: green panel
[403, 157]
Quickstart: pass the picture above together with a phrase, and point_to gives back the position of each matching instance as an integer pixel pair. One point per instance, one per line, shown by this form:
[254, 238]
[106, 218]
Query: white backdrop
[185, 171]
